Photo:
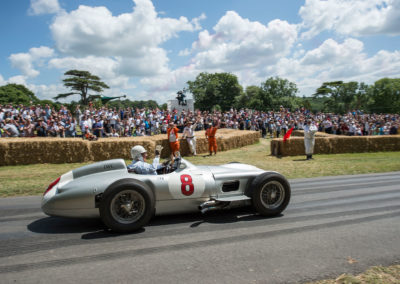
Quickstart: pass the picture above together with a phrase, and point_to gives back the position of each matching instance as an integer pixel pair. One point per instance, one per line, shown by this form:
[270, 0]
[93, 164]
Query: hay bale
[21, 151]
[114, 148]
[333, 144]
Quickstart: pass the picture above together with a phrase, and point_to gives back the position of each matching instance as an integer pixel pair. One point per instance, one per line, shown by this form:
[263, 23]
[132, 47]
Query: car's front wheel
[127, 208]
[271, 194]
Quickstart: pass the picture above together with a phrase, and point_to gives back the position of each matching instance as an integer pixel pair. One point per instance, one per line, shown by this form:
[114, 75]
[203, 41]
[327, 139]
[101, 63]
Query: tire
[270, 194]
[127, 207]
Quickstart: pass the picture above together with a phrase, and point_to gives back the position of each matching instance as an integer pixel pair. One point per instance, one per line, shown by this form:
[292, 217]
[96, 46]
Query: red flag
[287, 135]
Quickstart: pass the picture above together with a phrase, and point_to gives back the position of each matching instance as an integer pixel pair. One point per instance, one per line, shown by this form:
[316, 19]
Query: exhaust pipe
[212, 205]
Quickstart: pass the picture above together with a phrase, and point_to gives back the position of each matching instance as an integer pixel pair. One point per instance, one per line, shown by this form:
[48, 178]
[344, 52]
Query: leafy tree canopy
[17, 94]
[385, 95]
[215, 89]
[80, 82]
[272, 93]
[151, 104]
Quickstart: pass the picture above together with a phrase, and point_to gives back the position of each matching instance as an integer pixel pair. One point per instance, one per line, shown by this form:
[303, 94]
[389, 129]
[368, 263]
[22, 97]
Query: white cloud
[136, 37]
[237, 45]
[25, 61]
[351, 17]
[39, 7]
[2, 81]
[104, 67]
[333, 61]
[240, 43]
[48, 92]
[19, 79]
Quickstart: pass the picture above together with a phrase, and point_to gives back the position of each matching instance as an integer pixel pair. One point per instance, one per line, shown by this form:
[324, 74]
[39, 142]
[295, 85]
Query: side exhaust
[212, 205]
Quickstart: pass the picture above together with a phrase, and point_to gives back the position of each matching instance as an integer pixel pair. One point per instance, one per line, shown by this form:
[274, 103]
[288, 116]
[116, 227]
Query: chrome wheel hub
[127, 206]
[272, 194]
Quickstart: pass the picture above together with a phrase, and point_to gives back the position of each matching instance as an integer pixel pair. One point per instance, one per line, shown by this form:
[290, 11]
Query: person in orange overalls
[172, 133]
[212, 141]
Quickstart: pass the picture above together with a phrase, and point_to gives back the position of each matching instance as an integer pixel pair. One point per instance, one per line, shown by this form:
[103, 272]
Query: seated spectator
[10, 129]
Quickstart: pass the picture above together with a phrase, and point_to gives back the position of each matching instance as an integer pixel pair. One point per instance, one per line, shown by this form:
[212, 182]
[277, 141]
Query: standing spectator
[97, 128]
[328, 125]
[189, 134]
[212, 141]
[309, 138]
[78, 114]
[107, 128]
[278, 129]
[172, 134]
[271, 128]
[29, 127]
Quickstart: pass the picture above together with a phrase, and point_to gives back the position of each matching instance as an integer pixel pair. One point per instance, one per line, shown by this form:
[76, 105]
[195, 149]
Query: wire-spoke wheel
[270, 194]
[127, 207]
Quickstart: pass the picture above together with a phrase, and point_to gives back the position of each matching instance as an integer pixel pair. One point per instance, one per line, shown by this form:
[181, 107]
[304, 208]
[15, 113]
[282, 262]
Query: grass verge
[374, 275]
[34, 179]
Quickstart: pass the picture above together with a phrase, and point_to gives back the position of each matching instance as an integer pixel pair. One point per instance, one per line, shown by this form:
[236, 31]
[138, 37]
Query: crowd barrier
[335, 144]
[23, 151]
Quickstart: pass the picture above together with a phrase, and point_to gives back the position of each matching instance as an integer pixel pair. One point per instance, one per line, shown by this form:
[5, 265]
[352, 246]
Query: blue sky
[150, 49]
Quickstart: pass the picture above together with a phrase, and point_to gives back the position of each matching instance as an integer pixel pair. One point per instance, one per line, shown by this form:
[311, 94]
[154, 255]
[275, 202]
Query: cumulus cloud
[104, 67]
[239, 43]
[19, 79]
[40, 7]
[47, 92]
[351, 17]
[333, 60]
[134, 36]
[25, 61]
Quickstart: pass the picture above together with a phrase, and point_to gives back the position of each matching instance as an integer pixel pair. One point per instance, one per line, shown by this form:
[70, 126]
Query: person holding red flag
[288, 133]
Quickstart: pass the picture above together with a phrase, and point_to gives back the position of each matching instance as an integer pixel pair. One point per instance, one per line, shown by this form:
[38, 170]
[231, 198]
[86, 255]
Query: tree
[253, 98]
[342, 97]
[215, 89]
[385, 95]
[17, 94]
[80, 82]
[277, 92]
[334, 91]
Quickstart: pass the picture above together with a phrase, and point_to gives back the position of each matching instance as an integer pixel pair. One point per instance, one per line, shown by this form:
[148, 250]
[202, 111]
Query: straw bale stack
[334, 144]
[22, 151]
[300, 133]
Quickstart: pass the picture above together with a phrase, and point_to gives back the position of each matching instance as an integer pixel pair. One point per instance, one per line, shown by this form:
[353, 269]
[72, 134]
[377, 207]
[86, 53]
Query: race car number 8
[187, 186]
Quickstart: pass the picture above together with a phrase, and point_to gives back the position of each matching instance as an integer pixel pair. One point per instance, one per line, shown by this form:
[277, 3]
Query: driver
[139, 165]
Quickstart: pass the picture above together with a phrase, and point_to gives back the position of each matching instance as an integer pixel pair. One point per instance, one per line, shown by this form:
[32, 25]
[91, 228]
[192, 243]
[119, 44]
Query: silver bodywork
[183, 190]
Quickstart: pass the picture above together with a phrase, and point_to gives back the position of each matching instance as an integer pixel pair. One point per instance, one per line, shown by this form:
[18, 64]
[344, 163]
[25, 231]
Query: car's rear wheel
[271, 194]
[127, 208]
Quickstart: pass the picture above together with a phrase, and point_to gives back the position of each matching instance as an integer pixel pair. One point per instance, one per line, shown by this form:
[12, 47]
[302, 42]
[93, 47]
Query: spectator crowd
[46, 121]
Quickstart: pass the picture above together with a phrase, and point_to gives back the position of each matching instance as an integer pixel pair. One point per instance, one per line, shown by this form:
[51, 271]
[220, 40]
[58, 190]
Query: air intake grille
[230, 186]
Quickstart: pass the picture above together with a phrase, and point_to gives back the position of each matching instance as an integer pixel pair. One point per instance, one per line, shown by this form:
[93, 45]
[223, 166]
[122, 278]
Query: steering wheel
[165, 168]
[176, 164]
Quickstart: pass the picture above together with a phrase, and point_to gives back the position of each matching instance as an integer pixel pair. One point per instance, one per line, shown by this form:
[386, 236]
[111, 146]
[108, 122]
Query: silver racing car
[127, 201]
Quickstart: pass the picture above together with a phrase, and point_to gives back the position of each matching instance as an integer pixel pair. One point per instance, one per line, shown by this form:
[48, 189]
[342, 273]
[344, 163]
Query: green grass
[34, 179]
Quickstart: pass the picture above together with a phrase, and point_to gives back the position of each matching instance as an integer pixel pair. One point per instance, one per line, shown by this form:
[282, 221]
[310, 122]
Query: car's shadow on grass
[95, 229]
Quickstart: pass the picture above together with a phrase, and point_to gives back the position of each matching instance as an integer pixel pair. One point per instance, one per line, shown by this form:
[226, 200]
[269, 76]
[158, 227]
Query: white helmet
[137, 151]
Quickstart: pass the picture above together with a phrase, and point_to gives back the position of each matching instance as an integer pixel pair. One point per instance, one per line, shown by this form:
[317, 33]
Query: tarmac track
[333, 225]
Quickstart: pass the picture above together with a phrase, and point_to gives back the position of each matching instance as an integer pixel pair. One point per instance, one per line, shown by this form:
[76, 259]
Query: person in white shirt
[189, 134]
[309, 138]
[139, 165]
